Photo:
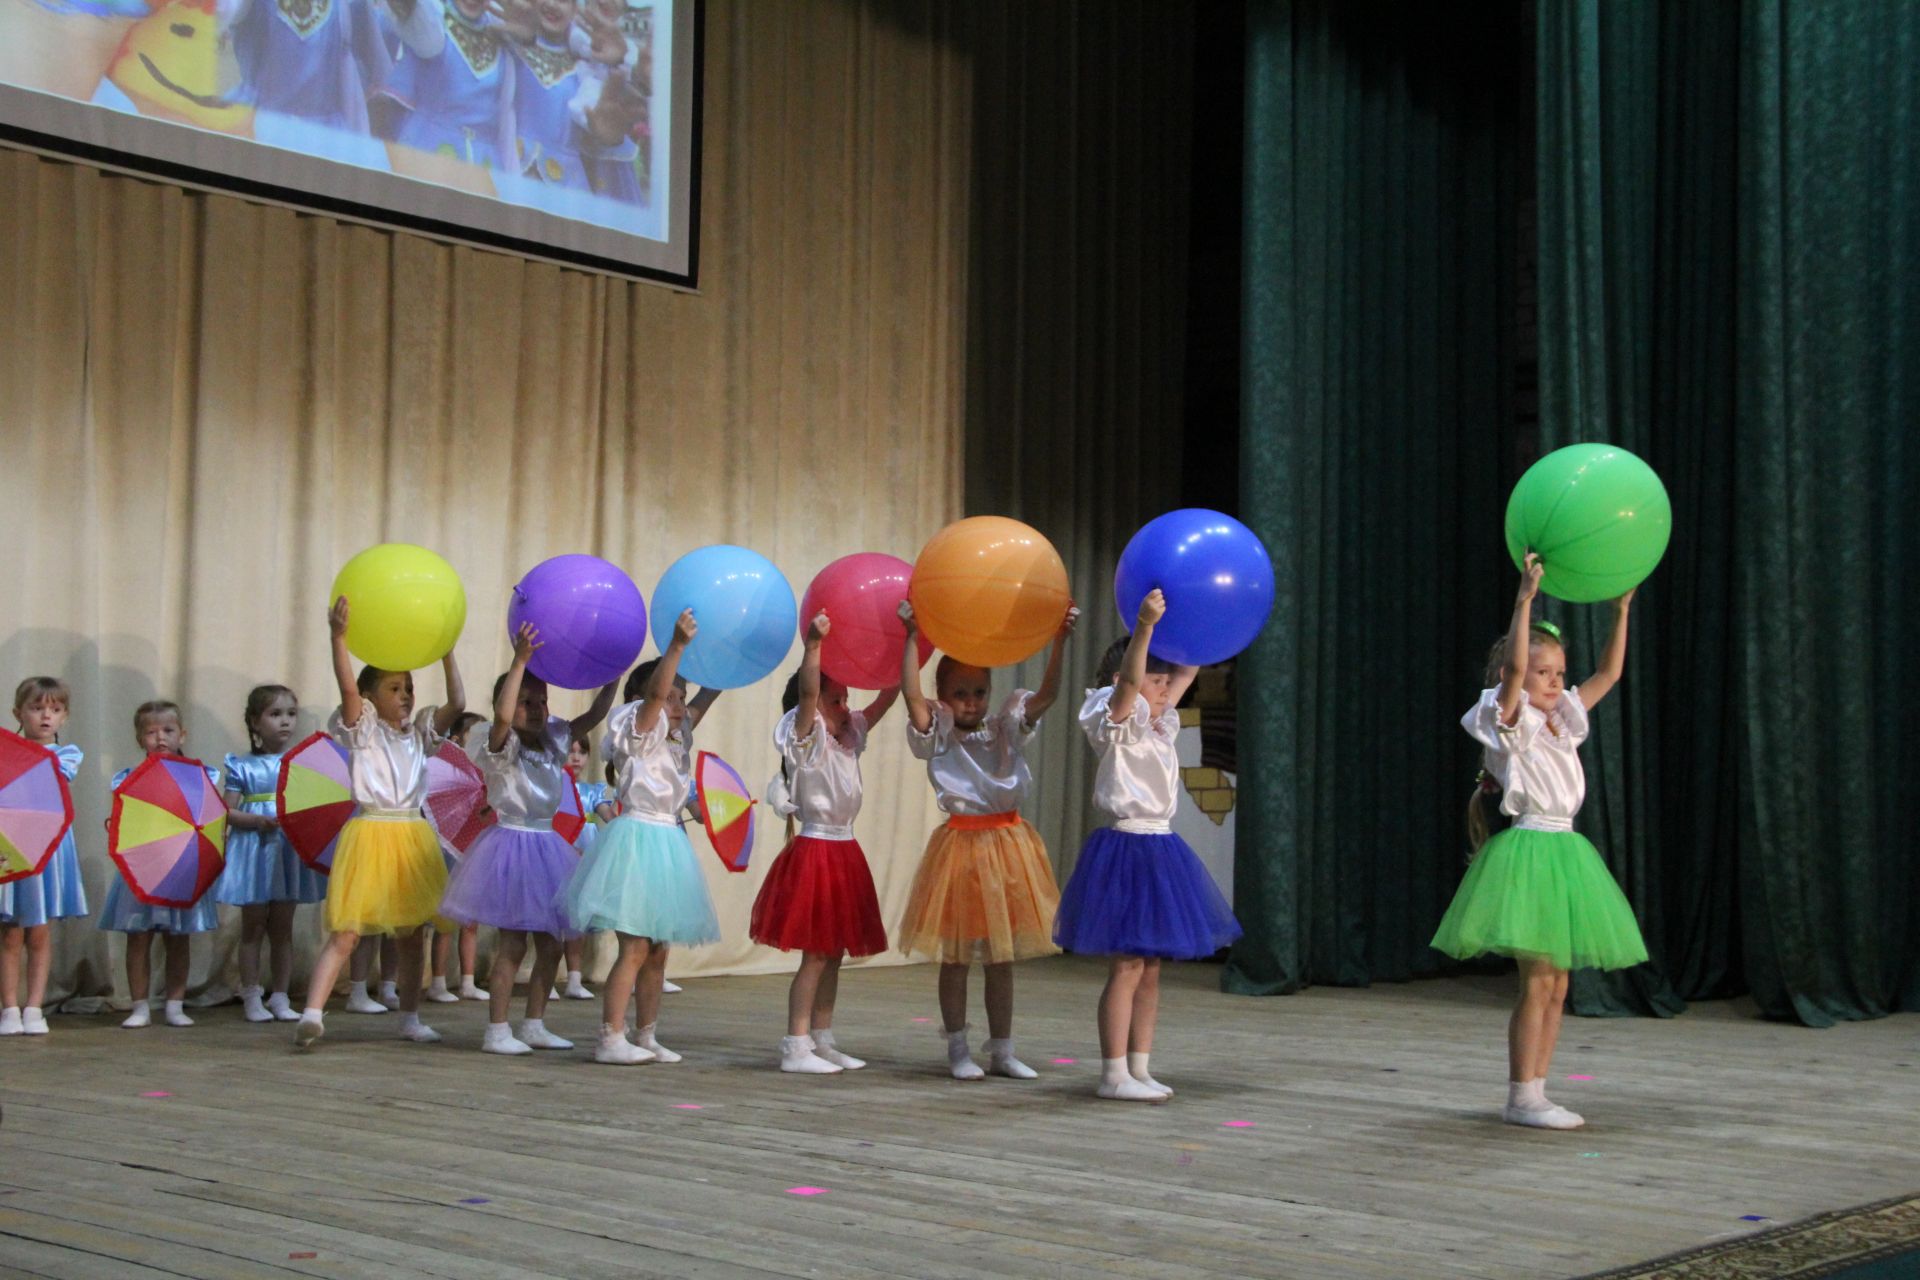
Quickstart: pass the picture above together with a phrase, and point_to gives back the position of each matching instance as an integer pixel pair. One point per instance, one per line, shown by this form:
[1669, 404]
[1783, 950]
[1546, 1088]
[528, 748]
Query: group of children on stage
[984, 892]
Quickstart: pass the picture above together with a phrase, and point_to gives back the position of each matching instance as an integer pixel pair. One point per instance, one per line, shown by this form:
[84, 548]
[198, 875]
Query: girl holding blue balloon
[1538, 891]
[641, 878]
[1139, 894]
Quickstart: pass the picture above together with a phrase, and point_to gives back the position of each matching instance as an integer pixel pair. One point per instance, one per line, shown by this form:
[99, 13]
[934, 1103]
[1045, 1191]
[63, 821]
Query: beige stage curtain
[206, 405]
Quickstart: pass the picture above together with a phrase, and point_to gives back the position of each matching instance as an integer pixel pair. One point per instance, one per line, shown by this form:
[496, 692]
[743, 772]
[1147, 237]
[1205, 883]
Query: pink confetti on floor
[923, 1019]
[806, 1191]
[157, 1093]
[688, 1106]
[1236, 1124]
[1065, 1062]
[1579, 1077]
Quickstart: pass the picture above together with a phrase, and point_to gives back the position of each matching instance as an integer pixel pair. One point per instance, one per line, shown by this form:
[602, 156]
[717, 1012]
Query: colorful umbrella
[314, 799]
[726, 810]
[168, 831]
[36, 809]
[456, 795]
[572, 818]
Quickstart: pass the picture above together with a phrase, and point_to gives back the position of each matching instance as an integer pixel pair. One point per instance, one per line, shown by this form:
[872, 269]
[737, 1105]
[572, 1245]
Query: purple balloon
[1215, 574]
[591, 619]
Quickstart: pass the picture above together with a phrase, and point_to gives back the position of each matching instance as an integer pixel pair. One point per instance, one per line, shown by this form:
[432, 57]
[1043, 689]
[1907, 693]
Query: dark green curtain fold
[1379, 158]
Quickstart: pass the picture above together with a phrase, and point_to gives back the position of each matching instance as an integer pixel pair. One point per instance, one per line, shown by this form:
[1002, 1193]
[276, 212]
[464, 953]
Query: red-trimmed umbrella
[168, 831]
[572, 818]
[457, 795]
[726, 809]
[314, 799]
[36, 808]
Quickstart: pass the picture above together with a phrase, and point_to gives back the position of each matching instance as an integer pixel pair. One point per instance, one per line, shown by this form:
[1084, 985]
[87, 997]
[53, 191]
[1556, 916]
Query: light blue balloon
[745, 609]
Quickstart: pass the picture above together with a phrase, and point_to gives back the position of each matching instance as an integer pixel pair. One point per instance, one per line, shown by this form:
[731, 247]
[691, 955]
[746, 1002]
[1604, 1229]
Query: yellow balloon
[989, 591]
[405, 606]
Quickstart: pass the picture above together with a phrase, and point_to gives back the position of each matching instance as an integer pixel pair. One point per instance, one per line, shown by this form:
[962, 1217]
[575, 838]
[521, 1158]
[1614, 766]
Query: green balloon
[1597, 516]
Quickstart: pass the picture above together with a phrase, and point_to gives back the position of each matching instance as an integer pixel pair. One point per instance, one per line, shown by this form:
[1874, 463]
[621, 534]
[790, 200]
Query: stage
[1343, 1133]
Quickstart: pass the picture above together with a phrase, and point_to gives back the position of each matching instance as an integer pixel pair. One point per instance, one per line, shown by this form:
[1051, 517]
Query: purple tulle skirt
[509, 879]
[1142, 895]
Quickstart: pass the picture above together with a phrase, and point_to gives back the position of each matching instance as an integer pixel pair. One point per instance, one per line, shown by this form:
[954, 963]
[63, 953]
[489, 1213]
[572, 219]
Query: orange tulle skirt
[984, 892]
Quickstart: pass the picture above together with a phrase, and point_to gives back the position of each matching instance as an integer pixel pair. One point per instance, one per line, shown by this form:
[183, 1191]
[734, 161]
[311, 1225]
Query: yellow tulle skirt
[984, 892]
[388, 877]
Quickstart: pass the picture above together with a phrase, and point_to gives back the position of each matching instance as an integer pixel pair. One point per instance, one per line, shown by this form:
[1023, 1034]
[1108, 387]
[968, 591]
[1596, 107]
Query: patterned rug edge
[1828, 1243]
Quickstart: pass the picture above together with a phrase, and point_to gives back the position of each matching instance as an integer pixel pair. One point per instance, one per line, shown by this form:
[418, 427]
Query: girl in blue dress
[456, 90]
[158, 729]
[29, 906]
[593, 801]
[562, 126]
[264, 877]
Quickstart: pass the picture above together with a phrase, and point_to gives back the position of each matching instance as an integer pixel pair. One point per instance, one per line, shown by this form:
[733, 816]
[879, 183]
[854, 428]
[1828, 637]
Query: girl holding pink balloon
[818, 898]
[641, 878]
[1138, 894]
[1539, 891]
[985, 889]
[516, 872]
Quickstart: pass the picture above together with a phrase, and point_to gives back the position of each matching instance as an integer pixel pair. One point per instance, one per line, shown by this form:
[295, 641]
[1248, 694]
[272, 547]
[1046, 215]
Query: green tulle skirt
[1542, 893]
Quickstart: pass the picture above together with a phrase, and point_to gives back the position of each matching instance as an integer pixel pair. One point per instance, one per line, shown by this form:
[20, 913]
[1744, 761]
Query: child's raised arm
[1613, 662]
[808, 708]
[589, 720]
[1133, 667]
[701, 704]
[661, 682]
[919, 713]
[1513, 683]
[343, 663]
[525, 641]
[1049, 689]
[449, 713]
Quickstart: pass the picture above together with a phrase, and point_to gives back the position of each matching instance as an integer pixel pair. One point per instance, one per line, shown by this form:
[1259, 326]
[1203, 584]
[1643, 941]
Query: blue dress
[459, 102]
[125, 913]
[57, 892]
[592, 796]
[261, 866]
[307, 66]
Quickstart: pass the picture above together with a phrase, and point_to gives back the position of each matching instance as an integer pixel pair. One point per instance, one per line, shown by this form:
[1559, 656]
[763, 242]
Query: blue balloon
[1216, 576]
[745, 610]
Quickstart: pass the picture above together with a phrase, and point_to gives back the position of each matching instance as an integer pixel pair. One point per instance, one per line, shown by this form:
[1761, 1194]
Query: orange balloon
[989, 591]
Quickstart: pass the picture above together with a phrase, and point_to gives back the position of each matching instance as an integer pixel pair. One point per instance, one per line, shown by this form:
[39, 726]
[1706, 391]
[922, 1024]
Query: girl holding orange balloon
[388, 874]
[818, 898]
[1538, 891]
[1139, 894]
[985, 890]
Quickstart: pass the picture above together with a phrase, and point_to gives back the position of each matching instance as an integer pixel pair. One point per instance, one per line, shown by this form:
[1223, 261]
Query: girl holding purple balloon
[641, 878]
[514, 875]
[1139, 894]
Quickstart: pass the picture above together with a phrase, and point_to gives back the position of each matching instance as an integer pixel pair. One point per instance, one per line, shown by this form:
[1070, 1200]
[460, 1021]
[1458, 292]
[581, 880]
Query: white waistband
[1541, 822]
[651, 819]
[825, 831]
[391, 815]
[1144, 826]
[525, 824]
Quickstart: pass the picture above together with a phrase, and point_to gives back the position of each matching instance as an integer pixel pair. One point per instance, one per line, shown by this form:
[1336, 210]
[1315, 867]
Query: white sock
[411, 1028]
[176, 1014]
[960, 1058]
[797, 1055]
[33, 1021]
[615, 1050]
[390, 995]
[1001, 1061]
[312, 1027]
[358, 1001]
[1137, 1068]
[10, 1020]
[251, 1006]
[534, 1034]
[573, 977]
[141, 1016]
[281, 1008]
[438, 987]
[1116, 1082]
[1523, 1095]
[500, 1039]
[827, 1047]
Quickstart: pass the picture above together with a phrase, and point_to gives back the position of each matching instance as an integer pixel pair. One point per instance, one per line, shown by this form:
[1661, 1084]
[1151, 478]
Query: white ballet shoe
[533, 1031]
[1137, 1068]
[616, 1050]
[253, 1007]
[470, 992]
[648, 1041]
[358, 1001]
[142, 1015]
[499, 1039]
[1117, 1084]
[827, 1047]
[389, 995]
[411, 1028]
[282, 1008]
[176, 1014]
[797, 1055]
[438, 993]
[33, 1022]
[11, 1022]
[960, 1058]
[669, 988]
[311, 1028]
[1001, 1062]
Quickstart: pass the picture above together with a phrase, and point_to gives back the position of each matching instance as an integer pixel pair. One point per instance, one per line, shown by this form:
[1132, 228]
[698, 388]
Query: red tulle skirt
[819, 897]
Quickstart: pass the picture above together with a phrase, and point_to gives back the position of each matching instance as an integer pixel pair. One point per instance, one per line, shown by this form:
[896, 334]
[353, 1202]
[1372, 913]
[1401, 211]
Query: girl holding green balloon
[1538, 891]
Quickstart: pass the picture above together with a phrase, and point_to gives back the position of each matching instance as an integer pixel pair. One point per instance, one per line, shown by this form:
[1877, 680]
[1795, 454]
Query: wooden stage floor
[1335, 1133]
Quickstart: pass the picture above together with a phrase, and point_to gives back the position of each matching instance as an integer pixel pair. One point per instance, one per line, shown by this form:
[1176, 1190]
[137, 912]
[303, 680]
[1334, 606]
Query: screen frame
[678, 272]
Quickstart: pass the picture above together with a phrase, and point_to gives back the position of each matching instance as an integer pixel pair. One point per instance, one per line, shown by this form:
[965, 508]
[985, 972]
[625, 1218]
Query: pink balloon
[861, 595]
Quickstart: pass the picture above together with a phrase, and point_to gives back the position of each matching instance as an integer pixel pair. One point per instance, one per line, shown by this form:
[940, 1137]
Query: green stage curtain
[1380, 153]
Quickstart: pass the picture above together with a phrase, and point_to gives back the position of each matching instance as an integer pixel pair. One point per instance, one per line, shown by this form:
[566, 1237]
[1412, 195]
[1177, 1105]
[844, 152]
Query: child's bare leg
[13, 941]
[1000, 1057]
[340, 951]
[410, 964]
[618, 991]
[442, 946]
[797, 1050]
[253, 932]
[509, 948]
[1124, 975]
[1531, 1033]
[646, 992]
[280, 940]
[546, 963]
[179, 950]
[39, 964]
[953, 997]
[469, 949]
[139, 968]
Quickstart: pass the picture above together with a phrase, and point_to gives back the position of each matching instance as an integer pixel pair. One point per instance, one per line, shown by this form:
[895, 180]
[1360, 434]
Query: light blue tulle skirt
[262, 867]
[124, 913]
[642, 878]
[56, 893]
[1142, 895]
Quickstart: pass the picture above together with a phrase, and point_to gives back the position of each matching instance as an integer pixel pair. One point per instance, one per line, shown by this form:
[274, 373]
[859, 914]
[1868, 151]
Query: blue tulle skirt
[56, 893]
[262, 867]
[643, 879]
[512, 878]
[124, 913]
[1142, 895]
